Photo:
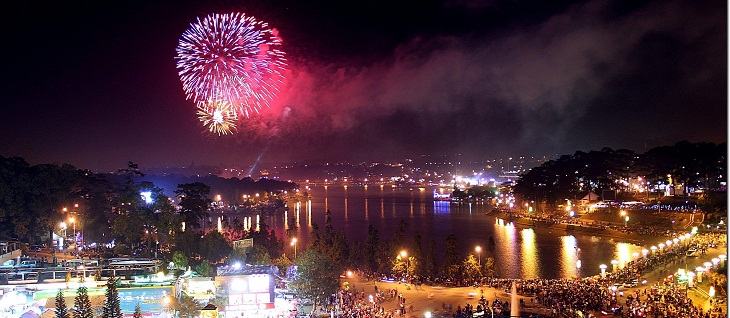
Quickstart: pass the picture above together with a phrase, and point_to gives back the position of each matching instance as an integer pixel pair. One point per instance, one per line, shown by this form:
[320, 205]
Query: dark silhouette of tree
[111, 307]
[194, 203]
[82, 305]
[317, 278]
[137, 311]
[61, 309]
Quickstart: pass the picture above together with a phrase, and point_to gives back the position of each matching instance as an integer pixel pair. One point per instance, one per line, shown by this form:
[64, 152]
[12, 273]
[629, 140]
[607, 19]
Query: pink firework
[231, 57]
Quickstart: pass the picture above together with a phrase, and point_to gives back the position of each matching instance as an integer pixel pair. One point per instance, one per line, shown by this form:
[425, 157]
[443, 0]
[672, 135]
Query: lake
[519, 252]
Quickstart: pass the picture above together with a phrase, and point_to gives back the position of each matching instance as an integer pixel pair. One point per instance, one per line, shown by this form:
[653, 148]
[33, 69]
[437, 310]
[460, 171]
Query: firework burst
[231, 57]
[218, 117]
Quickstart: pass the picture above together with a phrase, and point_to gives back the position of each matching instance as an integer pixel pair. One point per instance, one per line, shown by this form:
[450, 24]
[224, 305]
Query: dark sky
[94, 83]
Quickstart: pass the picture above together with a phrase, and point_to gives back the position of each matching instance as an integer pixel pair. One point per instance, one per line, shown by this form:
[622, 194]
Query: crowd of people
[358, 304]
[576, 297]
[662, 300]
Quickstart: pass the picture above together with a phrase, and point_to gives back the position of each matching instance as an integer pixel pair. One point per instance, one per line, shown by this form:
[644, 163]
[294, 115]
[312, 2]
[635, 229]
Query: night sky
[94, 83]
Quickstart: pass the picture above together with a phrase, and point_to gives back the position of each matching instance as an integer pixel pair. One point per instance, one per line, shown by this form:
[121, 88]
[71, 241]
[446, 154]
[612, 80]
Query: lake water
[519, 252]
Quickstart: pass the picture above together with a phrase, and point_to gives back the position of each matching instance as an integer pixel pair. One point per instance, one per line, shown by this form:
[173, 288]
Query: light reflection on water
[568, 256]
[518, 251]
[530, 263]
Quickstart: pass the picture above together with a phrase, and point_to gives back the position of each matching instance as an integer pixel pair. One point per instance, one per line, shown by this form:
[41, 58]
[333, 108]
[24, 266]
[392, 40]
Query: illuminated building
[248, 291]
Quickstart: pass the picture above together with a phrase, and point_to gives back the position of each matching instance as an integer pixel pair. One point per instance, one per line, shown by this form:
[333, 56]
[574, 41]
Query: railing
[41, 275]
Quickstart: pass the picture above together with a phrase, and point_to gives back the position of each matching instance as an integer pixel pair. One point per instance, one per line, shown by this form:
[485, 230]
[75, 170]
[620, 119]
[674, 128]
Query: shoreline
[570, 229]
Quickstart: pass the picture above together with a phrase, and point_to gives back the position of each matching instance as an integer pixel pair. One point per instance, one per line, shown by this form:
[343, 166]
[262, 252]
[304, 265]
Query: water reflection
[441, 207]
[309, 212]
[568, 256]
[506, 244]
[530, 265]
[623, 254]
[347, 217]
[366, 209]
[533, 252]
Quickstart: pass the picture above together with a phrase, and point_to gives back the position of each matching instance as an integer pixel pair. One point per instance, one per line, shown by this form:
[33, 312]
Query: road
[432, 298]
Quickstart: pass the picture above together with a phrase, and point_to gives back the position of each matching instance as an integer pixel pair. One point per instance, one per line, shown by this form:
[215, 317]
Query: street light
[478, 249]
[644, 252]
[294, 244]
[626, 220]
[404, 256]
[72, 220]
[622, 212]
[63, 226]
[603, 270]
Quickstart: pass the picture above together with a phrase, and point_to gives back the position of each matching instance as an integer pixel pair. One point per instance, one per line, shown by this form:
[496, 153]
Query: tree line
[690, 165]
[107, 207]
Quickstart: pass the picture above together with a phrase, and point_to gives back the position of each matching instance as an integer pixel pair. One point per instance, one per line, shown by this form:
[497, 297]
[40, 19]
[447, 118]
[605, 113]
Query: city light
[403, 253]
[146, 197]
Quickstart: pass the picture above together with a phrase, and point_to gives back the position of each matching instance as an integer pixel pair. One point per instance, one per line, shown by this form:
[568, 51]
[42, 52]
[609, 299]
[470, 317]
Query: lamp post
[478, 249]
[626, 221]
[403, 254]
[63, 226]
[72, 220]
[603, 270]
[294, 244]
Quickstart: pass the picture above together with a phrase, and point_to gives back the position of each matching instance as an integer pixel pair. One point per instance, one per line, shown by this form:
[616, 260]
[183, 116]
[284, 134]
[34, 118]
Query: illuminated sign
[148, 298]
[243, 244]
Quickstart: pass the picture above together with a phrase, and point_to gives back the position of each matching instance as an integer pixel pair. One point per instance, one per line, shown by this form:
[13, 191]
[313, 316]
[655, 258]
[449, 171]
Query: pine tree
[111, 304]
[82, 305]
[61, 310]
[137, 312]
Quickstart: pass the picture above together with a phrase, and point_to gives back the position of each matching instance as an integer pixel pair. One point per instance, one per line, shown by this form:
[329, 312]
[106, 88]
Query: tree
[371, 248]
[82, 305]
[405, 267]
[185, 307]
[489, 269]
[204, 269]
[61, 309]
[214, 247]
[137, 311]
[282, 262]
[470, 269]
[316, 279]
[111, 307]
[194, 203]
[179, 260]
[258, 255]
